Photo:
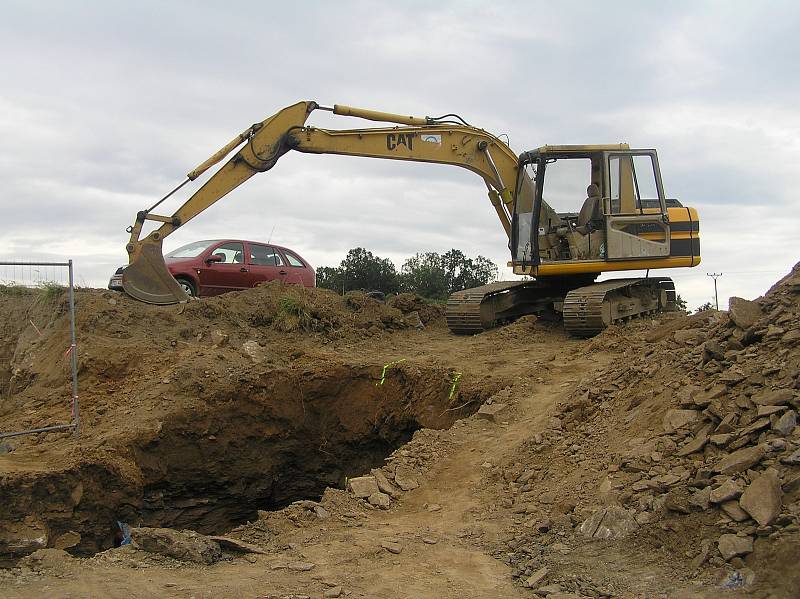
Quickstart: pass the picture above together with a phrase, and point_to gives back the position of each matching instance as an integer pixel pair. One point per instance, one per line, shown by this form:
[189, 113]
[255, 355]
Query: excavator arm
[418, 139]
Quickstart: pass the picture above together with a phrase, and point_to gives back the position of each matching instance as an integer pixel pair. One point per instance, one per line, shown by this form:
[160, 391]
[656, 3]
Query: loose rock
[535, 578]
[363, 486]
[380, 500]
[185, 545]
[254, 351]
[778, 397]
[762, 499]
[744, 313]
[384, 486]
[491, 411]
[392, 547]
[403, 479]
[730, 489]
[741, 460]
[786, 423]
[674, 419]
[611, 522]
[732, 545]
[734, 511]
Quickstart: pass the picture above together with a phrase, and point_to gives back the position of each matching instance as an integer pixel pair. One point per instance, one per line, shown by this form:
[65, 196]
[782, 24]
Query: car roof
[275, 245]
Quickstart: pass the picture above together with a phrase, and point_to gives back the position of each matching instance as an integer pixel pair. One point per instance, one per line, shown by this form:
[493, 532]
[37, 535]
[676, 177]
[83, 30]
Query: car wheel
[187, 286]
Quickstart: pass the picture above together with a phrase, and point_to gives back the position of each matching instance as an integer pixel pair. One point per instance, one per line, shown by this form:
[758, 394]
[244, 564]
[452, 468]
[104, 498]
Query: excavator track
[466, 312]
[481, 308]
[588, 310]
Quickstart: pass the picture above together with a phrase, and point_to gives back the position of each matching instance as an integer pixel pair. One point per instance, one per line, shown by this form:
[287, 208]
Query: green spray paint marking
[456, 378]
[385, 368]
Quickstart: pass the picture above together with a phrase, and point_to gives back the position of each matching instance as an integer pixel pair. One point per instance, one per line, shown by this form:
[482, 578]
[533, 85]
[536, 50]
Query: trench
[283, 437]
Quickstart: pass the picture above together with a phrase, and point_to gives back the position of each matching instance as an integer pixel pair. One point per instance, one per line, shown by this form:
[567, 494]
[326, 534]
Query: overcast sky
[105, 106]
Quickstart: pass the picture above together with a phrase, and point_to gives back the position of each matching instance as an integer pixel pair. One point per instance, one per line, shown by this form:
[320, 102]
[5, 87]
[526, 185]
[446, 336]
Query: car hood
[179, 261]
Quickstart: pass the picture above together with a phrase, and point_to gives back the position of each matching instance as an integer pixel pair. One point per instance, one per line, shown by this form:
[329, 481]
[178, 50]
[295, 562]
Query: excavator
[561, 238]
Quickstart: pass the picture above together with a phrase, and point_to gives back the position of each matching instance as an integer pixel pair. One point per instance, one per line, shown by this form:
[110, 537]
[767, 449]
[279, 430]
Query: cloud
[105, 106]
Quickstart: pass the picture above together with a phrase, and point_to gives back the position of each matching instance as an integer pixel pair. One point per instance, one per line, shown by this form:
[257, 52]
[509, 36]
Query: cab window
[632, 179]
[262, 255]
[565, 182]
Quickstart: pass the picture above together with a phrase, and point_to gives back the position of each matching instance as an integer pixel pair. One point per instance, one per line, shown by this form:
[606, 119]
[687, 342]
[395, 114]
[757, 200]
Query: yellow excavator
[570, 212]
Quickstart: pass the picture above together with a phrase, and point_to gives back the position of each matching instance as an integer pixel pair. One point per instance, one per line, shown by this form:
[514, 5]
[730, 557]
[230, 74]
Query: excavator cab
[590, 205]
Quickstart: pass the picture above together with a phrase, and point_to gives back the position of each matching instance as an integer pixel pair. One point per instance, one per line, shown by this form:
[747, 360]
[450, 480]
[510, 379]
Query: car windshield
[191, 250]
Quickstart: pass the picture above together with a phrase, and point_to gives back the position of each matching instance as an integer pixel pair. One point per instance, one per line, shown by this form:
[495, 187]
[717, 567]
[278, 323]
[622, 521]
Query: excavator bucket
[147, 279]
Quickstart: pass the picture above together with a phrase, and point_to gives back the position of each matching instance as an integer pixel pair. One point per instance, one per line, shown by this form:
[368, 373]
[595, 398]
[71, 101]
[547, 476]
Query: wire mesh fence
[48, 275]
[34, 274]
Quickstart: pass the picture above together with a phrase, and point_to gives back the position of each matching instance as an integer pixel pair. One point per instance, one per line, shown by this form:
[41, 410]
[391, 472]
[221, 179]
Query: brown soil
[245, 415]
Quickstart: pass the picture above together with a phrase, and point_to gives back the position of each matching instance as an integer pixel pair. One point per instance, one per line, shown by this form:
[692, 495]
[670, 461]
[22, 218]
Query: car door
[264, 264]
[228, 274]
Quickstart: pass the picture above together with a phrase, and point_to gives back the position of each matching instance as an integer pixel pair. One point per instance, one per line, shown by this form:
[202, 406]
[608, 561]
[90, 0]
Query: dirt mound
[693, 434]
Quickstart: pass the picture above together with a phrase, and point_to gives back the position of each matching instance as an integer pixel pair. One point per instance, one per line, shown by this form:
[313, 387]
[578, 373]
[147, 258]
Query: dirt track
[213, 416]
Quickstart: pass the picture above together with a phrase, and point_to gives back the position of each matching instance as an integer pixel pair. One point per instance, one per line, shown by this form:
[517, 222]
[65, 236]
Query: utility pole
[715, 276]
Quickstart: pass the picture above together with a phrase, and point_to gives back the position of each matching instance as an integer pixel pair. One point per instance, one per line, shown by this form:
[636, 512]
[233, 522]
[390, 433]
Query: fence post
[74, 353]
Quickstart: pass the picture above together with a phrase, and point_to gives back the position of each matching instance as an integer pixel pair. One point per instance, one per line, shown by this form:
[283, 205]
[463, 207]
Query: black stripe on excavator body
[682, 227]
[684, 247]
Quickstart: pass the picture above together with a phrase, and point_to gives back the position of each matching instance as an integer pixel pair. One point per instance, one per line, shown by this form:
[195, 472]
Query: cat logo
[394, 141]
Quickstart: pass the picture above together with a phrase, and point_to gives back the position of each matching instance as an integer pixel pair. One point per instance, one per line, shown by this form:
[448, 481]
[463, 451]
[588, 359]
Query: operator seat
[238, 258]
[591, 213]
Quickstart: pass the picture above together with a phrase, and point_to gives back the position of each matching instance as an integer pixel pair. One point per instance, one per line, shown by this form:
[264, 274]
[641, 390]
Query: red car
[206, 268]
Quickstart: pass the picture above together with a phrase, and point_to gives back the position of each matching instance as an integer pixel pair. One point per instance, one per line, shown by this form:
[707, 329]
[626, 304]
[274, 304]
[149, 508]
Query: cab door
[637, 223]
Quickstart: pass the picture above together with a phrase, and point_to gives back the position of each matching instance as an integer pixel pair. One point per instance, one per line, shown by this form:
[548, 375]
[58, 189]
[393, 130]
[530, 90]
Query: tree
[436, 276]
[363, 270]
[425, 275]
[704, 307]
[329, 277]
[428, 274]
[360, 269]
[680, 304]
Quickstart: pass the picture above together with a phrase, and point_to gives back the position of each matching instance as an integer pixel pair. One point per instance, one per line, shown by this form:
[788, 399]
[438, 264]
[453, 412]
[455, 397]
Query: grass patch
[14, 290]
[51, 291]
[293, 313]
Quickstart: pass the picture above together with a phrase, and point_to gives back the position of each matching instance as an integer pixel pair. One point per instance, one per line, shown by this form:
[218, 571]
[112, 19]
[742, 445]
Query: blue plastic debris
[734, 580]
[126, 533]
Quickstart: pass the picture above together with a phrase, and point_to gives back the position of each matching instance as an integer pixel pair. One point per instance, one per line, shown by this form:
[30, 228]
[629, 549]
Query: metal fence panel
[14, 273]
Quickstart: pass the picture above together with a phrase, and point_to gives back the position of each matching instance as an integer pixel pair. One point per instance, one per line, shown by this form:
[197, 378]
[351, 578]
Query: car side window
[292, 259]
[231, 252]
[262, 255]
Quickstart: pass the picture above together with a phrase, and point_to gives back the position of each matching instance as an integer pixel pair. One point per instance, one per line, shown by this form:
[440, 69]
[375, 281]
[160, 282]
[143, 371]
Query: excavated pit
[213, 470]
[279, 437]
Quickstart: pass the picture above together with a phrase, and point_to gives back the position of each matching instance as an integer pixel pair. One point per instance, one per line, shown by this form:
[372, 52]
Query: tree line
[428, 274]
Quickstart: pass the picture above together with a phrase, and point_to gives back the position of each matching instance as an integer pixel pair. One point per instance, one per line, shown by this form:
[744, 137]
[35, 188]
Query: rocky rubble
[698, 423]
